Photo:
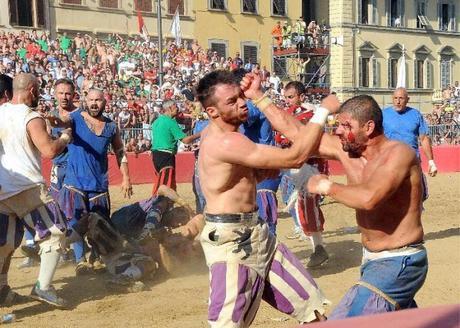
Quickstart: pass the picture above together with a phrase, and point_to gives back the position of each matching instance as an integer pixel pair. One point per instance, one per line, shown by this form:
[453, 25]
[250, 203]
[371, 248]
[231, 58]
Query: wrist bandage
[65, 137]
[320, 116]
[431, 163]
[262, 103]
[324, 187]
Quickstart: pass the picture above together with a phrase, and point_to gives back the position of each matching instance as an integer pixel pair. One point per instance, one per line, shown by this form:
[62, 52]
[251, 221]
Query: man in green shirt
[166, 134]
[65, 43]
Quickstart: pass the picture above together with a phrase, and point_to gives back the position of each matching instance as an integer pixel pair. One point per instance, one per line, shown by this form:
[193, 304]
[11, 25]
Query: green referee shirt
[166, 133]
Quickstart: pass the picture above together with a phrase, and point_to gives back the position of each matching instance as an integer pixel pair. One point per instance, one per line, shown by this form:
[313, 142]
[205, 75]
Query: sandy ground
[182, 301]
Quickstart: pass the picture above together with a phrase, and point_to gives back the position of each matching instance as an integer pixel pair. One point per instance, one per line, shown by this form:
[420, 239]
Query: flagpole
[160, 44]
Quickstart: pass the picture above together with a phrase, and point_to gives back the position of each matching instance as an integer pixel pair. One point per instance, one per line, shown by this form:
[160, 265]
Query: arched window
[446, 61]
[394, 55]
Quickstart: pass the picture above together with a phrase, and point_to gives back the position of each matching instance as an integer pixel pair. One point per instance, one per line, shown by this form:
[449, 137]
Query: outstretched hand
[250, 85]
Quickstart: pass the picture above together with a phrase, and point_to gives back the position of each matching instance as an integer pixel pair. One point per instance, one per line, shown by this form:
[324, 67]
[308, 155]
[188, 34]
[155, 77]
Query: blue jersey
[259, 130]
[87, 163]
[200, 125]
[405, 126]
[60, 159]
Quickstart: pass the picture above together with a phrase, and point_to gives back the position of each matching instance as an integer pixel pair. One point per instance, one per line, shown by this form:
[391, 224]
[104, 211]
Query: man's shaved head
[23, 82]
[26, 89]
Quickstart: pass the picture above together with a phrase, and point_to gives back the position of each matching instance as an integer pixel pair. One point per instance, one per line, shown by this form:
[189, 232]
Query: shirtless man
[384, 186]
[246, 262]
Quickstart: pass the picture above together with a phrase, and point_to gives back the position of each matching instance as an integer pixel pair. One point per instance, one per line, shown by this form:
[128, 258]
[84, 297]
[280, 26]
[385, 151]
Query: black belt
[230, 218]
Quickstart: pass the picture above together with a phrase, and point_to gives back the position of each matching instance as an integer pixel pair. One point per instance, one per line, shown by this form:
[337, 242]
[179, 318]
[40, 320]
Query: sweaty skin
[384, 186]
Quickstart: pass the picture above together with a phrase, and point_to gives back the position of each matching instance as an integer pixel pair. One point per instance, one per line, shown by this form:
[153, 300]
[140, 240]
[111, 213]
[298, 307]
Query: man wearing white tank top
[24, 201]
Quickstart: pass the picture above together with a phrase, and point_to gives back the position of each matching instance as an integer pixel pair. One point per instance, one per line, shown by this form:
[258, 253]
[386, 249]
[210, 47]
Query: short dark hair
[65, 81]
[6, 85]
[207, 85]
[364, 108]
[298, 86]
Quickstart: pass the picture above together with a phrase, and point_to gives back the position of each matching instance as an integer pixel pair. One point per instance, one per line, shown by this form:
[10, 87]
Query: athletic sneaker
[48, 296]
[319, 257]
[99, 266]
[9, 298]
[31, 251]
[83, 268]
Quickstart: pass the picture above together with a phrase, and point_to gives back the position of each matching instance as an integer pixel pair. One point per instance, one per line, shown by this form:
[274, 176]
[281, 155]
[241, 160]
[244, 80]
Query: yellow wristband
[255, 102]
[264, 104]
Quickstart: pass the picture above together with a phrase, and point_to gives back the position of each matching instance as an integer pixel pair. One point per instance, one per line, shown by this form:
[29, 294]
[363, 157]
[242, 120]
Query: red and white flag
[140, 21]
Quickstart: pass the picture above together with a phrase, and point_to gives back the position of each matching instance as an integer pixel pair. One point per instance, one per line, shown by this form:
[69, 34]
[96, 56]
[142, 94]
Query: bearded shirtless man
[246, 262]
[385, 188]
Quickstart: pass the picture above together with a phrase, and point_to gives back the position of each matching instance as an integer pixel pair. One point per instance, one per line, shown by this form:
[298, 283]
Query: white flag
[175, 28]
[402, 71]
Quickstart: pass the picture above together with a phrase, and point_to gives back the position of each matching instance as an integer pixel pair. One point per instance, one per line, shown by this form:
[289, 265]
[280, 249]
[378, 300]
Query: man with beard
[24, 201]
[384, 186]
[86, 187]
[246, 262]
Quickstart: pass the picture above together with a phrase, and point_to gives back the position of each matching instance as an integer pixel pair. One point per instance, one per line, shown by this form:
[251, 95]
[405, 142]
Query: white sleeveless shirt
[20, 160]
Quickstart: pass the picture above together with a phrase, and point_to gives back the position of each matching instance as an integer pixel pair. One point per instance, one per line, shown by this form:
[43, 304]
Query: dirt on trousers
[181, 301]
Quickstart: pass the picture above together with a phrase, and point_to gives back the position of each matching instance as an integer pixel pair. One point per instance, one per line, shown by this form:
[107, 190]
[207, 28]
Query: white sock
[49, 261]
[49, 255]
[316, 239]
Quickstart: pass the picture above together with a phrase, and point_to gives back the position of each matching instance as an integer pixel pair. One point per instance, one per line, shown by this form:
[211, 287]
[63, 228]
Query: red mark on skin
[351, 137]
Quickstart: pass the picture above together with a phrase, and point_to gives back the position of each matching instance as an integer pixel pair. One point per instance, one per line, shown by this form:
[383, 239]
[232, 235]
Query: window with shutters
[446, 15]
[375, 72]
[395, 12]
[446, 70]
[419, 71]
[420, 64]
[447, 56]
[219, 46]
[420, 14]
[143, 5]
[279, 66]
[429, 74]
[392, 72]
[394, 55]
[72, 2]
[249, 6]
[279, 7]
[250, 53]
[218, 4]
[364, 72]
[25, 13]
[364, 11]
[176, 4]
[368, 69]
[108, 4]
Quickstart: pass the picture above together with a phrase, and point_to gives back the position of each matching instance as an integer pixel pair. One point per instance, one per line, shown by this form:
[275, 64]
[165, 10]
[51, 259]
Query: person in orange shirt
[277, 35]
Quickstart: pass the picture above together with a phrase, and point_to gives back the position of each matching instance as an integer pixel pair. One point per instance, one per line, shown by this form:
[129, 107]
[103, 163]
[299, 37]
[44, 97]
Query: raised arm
[376, 189]
[281, 121]
[236, 148]
[122, 160]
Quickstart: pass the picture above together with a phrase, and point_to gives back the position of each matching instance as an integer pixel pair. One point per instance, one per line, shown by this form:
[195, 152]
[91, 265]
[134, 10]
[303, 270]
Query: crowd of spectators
[127, 70]
[300, 35]
[444, 119]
